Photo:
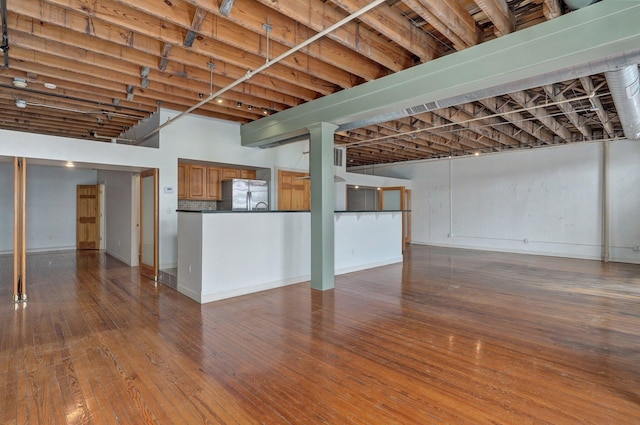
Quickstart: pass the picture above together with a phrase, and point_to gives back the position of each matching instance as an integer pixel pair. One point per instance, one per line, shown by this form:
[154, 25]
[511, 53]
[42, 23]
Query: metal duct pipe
[624, 87]
[625, 91]
[578, 4]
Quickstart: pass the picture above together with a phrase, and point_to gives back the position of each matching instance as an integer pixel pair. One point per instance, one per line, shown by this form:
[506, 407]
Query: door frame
[19, 229]
[405, 199]
[149, 270]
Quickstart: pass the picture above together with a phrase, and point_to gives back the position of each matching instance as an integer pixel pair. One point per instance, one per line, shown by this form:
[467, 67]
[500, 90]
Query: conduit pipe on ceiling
[268, 64]
[624, 87]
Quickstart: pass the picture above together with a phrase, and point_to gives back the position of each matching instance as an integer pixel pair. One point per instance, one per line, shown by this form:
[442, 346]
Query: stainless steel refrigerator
[244, 195]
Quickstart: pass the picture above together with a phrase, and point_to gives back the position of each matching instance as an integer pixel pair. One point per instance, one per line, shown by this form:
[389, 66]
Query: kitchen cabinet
[230, 173]
[248, 174]
[182, 181]
[203, 182]
[197, 181]
[213, 190]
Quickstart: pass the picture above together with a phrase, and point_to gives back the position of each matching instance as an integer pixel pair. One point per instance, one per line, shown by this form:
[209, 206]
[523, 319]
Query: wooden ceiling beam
[362, 51]
[459, 127]
[426, 14]
[551, 9]
[509, 113]
[155, 91]
[514, 137]
[220, 29]
[589, 88]
[33, 115]
[540, 113]
[291, 70]
[392, 24]
[499, 13]
[276, 89]
[317, 15]
[419, 144]
[89, 89]
[483, 128]
[569, 111]
[137, 59]
[457, 18]
[70, 58]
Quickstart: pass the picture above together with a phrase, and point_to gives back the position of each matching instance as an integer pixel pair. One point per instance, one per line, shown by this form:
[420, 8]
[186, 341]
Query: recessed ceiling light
[19, 82]
[69, 164]
[50, 86]
[477, 153]
[219, 100]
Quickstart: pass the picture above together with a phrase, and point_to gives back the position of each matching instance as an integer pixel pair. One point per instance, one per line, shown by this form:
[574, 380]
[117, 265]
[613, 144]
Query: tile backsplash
[188, 204]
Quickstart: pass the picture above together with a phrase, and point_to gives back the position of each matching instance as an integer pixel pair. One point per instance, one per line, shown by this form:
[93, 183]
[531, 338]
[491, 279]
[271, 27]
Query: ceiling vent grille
[425, 107]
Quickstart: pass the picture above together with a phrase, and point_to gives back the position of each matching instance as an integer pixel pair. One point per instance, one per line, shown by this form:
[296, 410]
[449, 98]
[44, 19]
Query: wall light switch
[169, 189]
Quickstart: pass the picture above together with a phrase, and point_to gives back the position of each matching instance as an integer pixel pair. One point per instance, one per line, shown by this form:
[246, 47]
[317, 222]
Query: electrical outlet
[636, 248]
[525, 240]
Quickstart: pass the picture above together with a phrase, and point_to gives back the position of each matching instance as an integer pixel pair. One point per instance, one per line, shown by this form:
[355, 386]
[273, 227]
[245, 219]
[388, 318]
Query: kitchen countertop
[284, 211]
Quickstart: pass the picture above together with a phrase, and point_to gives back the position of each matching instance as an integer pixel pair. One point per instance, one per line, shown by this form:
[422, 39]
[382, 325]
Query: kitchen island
[222, 254]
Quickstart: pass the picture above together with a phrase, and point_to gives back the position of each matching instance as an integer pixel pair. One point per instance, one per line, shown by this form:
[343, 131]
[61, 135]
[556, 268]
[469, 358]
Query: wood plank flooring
[450, 336]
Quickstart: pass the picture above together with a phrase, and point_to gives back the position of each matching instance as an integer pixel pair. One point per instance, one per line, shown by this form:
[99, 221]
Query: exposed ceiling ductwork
[624, 87]
[625, 91]
[578, 4]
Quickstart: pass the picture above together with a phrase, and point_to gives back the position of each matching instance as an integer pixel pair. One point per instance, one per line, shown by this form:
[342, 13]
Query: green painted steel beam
[598, 38]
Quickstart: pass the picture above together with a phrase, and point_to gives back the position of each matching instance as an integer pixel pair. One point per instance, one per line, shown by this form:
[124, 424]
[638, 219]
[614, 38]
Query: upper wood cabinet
[202, 182]
[213, 189]
[197, 181]
[248, 174]
[182, 181]
[230, 173]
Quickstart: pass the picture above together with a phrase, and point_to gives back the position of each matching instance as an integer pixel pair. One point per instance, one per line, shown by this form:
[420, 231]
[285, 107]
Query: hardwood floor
[450, 336]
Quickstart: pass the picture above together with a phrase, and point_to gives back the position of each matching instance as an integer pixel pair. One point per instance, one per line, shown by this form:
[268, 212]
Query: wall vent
[425, 107]
[337, 157]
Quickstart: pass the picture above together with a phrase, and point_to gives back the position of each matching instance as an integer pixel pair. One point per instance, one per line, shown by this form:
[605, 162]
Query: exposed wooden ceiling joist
[93, 51]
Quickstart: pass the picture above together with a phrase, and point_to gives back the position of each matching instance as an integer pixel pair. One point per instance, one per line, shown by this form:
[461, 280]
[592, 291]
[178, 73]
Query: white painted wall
[51, 206]
[6, 207]
[119, 218]
[624, 200]
[552, 197]
[223, 255]
[193, 137]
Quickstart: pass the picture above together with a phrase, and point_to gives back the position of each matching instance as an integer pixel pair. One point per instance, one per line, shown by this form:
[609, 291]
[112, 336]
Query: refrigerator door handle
[249, 201]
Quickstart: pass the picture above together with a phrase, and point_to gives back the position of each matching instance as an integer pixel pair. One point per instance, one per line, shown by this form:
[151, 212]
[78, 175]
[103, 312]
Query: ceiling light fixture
[21, 103]
[239, 104]
[50, 86]
[249, 107]
[69, 164]
[19, 82]
[264, 111]
[219, 100]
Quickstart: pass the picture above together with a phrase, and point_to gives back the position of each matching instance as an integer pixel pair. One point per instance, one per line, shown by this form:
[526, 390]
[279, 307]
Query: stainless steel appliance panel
[244, 195]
